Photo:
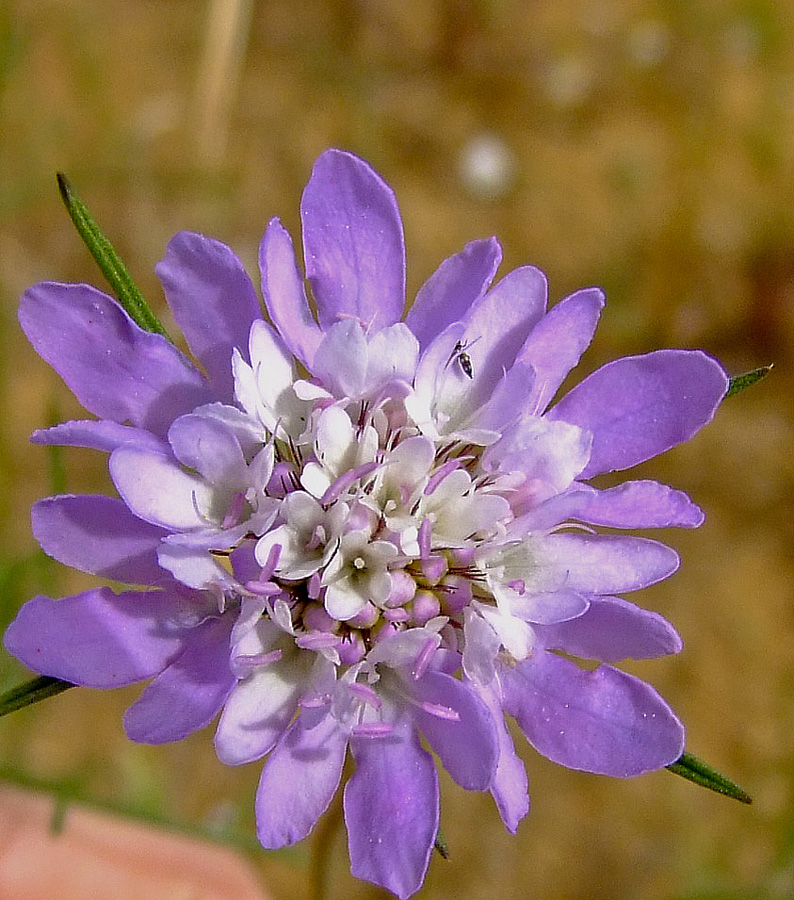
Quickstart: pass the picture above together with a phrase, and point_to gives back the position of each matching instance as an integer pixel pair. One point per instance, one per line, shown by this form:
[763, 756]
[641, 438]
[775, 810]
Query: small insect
[464, 360]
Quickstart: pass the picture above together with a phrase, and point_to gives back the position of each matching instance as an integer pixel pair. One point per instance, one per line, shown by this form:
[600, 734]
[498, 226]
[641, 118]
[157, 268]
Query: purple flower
[356, 531]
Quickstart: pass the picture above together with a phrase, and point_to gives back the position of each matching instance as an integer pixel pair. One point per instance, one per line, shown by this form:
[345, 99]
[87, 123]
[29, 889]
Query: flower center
[379, 531]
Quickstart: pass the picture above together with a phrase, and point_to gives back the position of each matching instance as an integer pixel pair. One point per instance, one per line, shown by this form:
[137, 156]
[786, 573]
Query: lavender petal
[188, 693]
[213, 302]
[114, 368]
[391, 810]
[353, 243]
[97, 639]
[602, 721]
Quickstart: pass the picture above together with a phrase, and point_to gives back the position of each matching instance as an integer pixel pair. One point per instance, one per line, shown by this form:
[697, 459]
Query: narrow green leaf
[700, 773]
[109, 261]
[33, 691]
[441, 845]
[742, 382]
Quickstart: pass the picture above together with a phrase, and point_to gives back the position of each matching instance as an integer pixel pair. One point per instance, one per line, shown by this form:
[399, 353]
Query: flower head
[354, 531]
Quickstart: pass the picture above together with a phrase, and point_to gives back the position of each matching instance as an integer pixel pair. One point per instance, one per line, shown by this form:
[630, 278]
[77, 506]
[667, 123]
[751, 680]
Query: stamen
[249, 662]
[314, 586]
[424, 657]
[317, 640]
[439, 475]
[262, 588]
[342, 483]
[314, 702]
[439, 711]
[373, 729]
[271, 562]
[232, 517]
[366, 694]
[519, 586]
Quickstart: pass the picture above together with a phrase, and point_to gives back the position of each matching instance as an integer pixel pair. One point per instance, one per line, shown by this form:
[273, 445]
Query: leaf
[30, 692]
[741, 382]
[699, 772]
[109, 261]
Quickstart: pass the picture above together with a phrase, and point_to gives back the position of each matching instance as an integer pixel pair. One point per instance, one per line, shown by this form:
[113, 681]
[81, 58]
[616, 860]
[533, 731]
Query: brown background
[645, 147]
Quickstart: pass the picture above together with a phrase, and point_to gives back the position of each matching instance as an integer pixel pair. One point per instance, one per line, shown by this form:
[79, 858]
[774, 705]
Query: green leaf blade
[739, 383]
[698, 772]
[109, 262]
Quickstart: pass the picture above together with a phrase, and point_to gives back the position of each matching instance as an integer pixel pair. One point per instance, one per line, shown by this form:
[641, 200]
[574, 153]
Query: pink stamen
[232, 517]
[366, 693]
[423, 659]
[372, 729]
[247, 663]
[314, 586]
[519, 586]
[314, 702]
[439, 711]
[317, 640]
[440, 474]
[271, 562]
[262, 588]
[342, 483]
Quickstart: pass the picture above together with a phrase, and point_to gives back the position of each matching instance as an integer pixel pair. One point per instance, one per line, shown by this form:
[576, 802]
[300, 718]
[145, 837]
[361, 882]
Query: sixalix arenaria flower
[348, 530]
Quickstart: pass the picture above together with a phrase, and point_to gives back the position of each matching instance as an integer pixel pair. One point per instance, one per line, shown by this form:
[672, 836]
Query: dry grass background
[647, 147]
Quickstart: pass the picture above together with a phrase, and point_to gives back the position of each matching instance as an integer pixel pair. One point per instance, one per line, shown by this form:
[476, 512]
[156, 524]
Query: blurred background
[646, 147]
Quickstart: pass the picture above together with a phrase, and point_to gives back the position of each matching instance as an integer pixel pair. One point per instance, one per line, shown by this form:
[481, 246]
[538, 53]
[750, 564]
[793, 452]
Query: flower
[353, 531]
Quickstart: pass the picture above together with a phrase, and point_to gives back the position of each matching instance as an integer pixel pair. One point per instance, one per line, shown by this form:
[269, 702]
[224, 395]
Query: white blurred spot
[487, 166]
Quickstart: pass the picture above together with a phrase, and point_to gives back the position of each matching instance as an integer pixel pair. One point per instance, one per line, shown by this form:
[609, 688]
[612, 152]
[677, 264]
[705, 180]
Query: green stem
[32, 692]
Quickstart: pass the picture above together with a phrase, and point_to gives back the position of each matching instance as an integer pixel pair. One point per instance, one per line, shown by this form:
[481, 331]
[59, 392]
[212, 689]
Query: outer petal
[605, 563]
[557, 342]
[392, 356]
[467, 745]
[213, 302]
[612, 629]
[189, 693]
[98, 534]
[299, 781]
[495, 329]
[603, 721]
[502, 320]
[341, 360]
[640, 406]
[285, 298]
[641, 504]
[451, 290]
[159, 490]
[97, 639]
[115, 369]
[353, 243]
[259, 710]
[510, 785]
[102, 435]
[391, 810]
[211, 448]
